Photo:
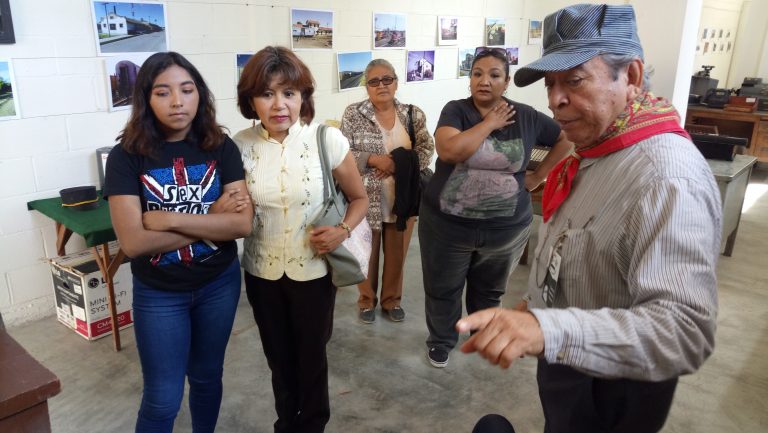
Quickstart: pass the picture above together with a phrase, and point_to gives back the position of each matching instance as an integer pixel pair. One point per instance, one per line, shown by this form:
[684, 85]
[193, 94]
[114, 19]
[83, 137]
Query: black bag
[426, 174]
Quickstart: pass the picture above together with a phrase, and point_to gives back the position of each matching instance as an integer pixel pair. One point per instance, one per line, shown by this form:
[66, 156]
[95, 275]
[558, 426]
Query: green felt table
[94, 225]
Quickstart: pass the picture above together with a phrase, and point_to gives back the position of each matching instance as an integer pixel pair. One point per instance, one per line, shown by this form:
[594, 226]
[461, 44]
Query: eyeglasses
[497, 50]
[374, 82]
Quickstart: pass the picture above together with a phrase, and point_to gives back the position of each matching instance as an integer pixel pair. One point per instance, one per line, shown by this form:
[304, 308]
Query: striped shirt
[639, 237]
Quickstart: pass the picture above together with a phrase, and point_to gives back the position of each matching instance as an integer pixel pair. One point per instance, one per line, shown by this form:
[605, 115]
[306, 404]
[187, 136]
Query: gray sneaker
[367, 315]
[395, 314]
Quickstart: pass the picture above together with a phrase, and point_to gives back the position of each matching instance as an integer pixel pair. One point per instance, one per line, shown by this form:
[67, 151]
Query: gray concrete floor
[381, 382]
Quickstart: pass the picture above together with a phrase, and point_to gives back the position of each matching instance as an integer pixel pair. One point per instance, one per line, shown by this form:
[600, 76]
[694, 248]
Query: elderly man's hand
[502, 335]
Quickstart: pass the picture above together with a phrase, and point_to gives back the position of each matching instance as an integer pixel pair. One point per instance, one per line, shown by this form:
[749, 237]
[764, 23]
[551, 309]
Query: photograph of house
[124, 27]
[311, 29]
[421, 66]
[9, 105]
[389, 30]
[494, 31]
[352, 68]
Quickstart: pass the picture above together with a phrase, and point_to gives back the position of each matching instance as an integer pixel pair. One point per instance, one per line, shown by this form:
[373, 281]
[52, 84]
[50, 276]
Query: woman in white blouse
[286, 278]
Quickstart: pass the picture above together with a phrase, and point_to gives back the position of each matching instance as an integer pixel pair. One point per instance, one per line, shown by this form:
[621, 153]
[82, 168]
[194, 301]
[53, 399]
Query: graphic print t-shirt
[489, 185]
[183, 178]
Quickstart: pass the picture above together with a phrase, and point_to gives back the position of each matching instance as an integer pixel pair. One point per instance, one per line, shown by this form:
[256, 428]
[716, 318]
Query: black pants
[295, 320]
[574, 402]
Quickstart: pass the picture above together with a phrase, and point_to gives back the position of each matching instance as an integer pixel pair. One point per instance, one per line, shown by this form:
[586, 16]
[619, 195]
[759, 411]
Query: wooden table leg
[108, 267]
[62, 237]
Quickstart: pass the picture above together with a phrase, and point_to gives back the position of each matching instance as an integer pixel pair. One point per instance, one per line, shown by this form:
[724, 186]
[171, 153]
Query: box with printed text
[81, 294]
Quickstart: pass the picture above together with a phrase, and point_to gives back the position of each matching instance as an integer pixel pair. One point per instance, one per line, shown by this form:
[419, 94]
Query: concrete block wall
[62, 88]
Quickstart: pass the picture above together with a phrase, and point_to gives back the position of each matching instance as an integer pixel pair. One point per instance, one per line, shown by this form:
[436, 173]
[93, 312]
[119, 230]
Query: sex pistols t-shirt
[183, 178]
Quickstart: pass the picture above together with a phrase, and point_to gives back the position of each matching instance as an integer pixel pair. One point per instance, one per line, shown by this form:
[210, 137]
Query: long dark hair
[142, 134]
[270, 63]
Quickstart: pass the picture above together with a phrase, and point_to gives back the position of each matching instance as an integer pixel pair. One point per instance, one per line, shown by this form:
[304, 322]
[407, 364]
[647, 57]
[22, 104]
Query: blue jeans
[454, 254]
[182, 334]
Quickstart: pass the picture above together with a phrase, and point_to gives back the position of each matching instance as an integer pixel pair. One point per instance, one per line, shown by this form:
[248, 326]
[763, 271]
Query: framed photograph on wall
[534, 32]
[9, 99]
[447, 30]
[420, 66]
[495, 32]
[466, 56]
[121, 76]
[351, 68]
[240, 61]
[389, 31]
[6, 24]
[129, 27]
[513, 55]
[311, 29]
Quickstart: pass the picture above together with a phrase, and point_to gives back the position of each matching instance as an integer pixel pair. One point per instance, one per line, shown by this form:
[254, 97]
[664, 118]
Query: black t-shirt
[489, 187]
[183, 178]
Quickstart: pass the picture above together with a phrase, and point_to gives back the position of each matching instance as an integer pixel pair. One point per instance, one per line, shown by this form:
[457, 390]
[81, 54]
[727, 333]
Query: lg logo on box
[93, 283]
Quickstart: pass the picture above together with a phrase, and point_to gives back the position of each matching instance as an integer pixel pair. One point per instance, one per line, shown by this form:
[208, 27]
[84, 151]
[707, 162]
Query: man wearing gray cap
[622, 293]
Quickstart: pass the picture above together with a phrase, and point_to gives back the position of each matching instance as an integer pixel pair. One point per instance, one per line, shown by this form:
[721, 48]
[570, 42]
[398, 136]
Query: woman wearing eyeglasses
[389, 159]
[476, 211]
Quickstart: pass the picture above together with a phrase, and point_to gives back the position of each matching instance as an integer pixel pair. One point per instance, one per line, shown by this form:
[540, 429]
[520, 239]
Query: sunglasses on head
[497, 50]
[374, 82]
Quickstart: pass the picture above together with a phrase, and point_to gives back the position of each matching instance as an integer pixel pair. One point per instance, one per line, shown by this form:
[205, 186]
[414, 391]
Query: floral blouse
[285, 182]
[359, 125]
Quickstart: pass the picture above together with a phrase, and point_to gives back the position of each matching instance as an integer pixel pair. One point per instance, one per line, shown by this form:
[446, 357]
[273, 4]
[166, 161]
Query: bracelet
[346, 227]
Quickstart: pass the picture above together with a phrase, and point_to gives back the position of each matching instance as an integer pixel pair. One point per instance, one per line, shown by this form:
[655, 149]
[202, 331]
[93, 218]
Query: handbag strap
[324, 165]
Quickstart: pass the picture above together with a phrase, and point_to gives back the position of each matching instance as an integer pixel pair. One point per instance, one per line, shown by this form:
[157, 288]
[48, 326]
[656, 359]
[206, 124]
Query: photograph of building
[124, 27]
[311, 29]
[466, 56]
[421, 66]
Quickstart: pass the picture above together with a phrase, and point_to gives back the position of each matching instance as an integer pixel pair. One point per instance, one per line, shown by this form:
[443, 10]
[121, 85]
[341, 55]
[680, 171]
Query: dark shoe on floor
[437, 357]
[395, 314]
[367, 315]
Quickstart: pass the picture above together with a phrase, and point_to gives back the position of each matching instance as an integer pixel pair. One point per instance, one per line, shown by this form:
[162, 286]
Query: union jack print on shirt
[187, 190]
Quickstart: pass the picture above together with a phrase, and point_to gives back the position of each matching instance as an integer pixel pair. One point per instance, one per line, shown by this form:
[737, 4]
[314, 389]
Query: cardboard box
[81, 294]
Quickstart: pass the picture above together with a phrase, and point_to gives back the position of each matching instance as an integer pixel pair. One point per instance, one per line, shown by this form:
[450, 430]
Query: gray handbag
[347, 267]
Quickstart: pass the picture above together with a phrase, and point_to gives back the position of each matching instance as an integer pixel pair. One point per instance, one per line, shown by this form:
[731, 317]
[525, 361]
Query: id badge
[550, 286]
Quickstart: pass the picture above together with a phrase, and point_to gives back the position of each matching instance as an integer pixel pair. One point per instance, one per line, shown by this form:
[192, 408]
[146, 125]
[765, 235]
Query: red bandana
[644, 117]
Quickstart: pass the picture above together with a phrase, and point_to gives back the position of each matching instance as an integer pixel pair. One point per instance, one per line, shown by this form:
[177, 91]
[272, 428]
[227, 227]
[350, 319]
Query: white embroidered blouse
[285, 182]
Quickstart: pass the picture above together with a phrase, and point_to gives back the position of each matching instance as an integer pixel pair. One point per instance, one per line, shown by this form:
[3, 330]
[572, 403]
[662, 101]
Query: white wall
[719, 15]
[750, 59]
[62, 89]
